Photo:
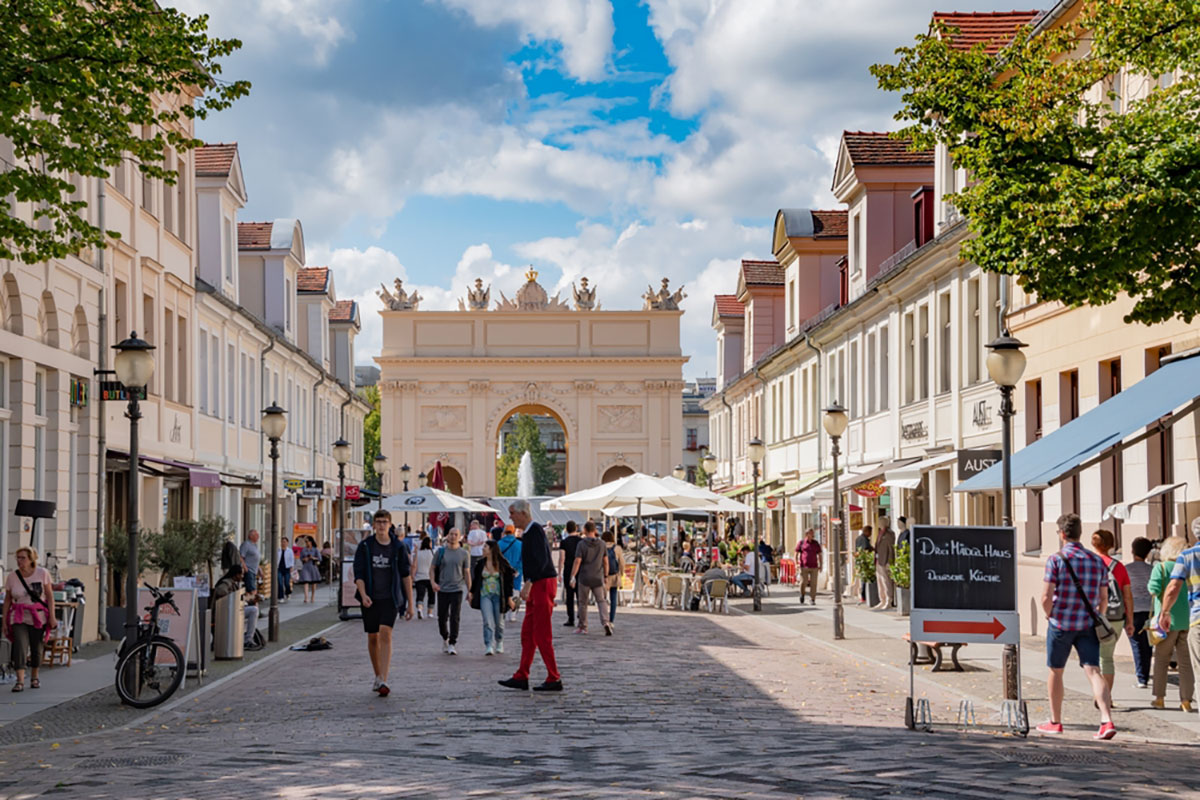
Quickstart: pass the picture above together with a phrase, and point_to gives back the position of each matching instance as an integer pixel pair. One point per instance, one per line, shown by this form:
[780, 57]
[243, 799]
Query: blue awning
[1106, 426]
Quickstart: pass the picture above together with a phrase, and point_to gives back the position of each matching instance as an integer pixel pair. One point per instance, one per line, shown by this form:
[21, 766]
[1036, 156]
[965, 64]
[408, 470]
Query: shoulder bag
[1104, 631]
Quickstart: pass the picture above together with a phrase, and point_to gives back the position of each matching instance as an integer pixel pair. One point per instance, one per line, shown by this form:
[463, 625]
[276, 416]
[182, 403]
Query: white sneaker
[445, 646]
[499, 647]
[429, 613]
[419, 612]
[375, 685]
[450, 649]
[489, 651]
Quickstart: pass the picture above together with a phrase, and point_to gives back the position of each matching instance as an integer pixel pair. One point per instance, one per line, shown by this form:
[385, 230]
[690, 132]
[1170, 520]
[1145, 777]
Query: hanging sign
[873, 488]
[773, 503]
[353, 492]
[314, 488]
[293, 484]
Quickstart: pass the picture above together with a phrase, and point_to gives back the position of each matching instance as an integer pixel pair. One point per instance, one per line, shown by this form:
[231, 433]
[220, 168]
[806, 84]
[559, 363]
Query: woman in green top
[1176, 639]
[491, 592]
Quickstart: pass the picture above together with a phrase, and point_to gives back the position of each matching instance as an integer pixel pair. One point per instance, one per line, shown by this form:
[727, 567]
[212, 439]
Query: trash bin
[229, 627]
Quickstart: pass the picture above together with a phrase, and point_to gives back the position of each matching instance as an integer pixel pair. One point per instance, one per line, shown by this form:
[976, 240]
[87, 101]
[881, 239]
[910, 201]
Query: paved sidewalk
[877, 635]
[677, 705]
[92, 668]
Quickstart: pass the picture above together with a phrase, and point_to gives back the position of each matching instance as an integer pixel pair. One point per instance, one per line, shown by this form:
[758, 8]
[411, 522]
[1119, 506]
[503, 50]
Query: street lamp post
[380, 468]
[422, 481]
[1005, 365]
[710, 466]
[404, 473]
[274, 423]
[756, 451]
[341, 454]
[835, 423]
[134, 365]
[679, 473]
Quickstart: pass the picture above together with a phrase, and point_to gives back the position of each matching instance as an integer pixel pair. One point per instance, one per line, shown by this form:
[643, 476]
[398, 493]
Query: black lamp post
[134, 365]
[341, 454]
[835, 423]
[274, 423]
[1005, 365]
[404, 473]
[756, 451]
[380, 468]
[422, 482]
[710, 466]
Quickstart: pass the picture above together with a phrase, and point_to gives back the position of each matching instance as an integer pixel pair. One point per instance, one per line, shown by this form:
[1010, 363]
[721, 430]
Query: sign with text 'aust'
[964, 584]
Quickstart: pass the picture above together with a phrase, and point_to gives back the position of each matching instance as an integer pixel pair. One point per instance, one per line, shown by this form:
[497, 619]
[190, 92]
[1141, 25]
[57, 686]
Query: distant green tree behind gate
[525, 436]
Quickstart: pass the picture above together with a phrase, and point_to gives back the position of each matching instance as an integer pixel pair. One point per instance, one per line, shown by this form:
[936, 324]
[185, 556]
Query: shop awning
[1172, 390]
[1124, 509]
[198, 476]
[738, 491]
[861, 477]
[820, 492]
[909, 477]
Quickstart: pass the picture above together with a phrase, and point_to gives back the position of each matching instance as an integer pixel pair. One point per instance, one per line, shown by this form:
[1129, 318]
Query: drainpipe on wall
[102, 434]
[262, 384]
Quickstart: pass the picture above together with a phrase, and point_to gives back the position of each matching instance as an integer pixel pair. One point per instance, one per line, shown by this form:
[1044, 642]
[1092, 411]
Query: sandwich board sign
[964, 584]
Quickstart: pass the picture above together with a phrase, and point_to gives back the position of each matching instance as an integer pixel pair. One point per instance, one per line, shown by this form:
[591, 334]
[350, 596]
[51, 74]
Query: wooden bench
[938, 657]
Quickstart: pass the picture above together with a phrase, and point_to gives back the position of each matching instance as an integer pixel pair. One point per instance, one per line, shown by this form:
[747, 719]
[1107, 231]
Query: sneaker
[445, 645]
[1186, 707]
[489, 651]
[384, 691]
[420, 613]
[499, 647]
[451, 651]
[375, 686]
[1050, 728]
[549, 686]
[608, 630]
[581, 630]
[514, 683]
[1142, 685]
[569, 623]
[1106, 732]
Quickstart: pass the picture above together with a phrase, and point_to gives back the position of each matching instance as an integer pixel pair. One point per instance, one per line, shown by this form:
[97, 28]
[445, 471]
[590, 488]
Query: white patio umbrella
[724, 505]
[427, 500]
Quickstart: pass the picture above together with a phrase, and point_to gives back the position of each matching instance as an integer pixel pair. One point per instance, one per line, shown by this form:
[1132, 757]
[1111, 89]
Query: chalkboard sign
[965, 568]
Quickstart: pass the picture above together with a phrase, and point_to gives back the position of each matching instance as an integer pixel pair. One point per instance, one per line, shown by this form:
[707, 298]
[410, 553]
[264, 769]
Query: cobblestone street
[675, 705]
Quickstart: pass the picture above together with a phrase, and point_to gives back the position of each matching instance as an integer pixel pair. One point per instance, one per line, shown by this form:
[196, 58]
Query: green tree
[1080, 192]
[371, 437]
[80, 85]
[525, 436]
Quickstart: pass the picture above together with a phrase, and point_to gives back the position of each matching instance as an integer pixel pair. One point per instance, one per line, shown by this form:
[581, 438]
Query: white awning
[909, 476]
[1124, 509]
[821, 493]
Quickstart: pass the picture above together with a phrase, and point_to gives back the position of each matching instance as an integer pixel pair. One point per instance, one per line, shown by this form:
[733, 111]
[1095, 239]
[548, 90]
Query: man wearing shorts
[381, 568]
[1071, 624]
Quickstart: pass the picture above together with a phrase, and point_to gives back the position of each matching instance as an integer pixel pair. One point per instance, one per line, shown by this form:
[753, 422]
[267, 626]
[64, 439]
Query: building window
[944, 343]
[843, 284]
[215, 406]
[168, 215]
[923, 317]
[910, 358]
[231, 383]
[203, 371]
[287, 304]
[856, 242]
[182, 366]
[871, 377]
[39, 393]
[168, 355]
[691, 434]
[1068, 409]
[227, 249]
[974, 333]
[884, 366]
[853, 380]
[121, 309]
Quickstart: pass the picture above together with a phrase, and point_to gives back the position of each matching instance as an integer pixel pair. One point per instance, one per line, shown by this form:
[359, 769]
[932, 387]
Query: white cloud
[265, 24]
[583, 28]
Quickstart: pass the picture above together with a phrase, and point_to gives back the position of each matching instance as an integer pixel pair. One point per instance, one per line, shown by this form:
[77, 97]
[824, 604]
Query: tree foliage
[1080, 192]
[525, 436]
[371, 437]
[84, 85]
[184, 546]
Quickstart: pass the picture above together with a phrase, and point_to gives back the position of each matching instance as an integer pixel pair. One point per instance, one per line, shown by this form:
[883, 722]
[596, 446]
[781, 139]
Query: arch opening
[541, 430]
[616, 472]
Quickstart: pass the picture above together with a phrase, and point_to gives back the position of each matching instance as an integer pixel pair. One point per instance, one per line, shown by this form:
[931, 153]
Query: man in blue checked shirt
[1071, 618]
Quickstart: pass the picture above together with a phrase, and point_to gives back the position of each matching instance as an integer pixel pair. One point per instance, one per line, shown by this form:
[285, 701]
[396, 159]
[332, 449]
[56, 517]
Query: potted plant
[116, 553]
[901, 575]
[864, 571]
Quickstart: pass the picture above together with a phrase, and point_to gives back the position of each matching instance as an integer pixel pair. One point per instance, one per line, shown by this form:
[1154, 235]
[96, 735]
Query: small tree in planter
[116, 553]
[901, 575]
[864, 570]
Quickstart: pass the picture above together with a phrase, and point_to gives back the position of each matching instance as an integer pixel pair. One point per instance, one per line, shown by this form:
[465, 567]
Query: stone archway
[453, 480]
[558, 450]
[616, 472]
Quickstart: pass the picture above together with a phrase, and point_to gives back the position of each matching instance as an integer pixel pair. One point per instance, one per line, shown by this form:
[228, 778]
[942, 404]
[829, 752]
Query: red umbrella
[440, 519]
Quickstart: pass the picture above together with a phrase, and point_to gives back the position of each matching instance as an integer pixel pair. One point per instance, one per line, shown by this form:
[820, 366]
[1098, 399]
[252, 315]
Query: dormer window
[843, 280]
[287, 304]
[228, 243]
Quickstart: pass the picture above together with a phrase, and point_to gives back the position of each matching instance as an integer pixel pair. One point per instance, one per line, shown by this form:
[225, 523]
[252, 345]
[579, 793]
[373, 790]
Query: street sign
[964, 584]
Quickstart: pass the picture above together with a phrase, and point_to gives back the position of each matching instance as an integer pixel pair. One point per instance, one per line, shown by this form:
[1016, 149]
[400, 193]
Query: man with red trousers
[537, 593]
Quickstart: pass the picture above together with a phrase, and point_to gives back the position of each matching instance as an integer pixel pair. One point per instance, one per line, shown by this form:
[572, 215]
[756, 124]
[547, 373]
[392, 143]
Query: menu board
[176, 627]
[964, 567]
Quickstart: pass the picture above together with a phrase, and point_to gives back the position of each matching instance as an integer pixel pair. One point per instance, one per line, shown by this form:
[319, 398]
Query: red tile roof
[343, 311]
[254, 235]
[728, 306]
[762, 273]
[994, 29]
[215, 160]
[878, 149]
[830, 224]
[313, 280]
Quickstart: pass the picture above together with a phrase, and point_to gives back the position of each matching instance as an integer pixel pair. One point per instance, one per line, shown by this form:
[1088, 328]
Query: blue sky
[624, 140]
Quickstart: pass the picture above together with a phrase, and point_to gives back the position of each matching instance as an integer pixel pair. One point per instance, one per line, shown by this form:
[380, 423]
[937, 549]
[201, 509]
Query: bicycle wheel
[149, 672]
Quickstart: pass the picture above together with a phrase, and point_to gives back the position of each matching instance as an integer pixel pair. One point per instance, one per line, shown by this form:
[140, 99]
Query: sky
[623, 140]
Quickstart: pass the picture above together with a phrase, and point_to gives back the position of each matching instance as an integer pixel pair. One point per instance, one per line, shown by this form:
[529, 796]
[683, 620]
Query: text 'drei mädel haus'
[963, 568]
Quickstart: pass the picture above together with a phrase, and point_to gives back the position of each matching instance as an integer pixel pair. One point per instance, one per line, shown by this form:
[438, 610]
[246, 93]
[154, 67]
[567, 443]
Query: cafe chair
[672, 587]
[716, 592]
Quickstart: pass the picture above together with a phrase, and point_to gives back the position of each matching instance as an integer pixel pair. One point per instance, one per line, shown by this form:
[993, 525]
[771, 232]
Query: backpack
[613, 567]
[1115, 610]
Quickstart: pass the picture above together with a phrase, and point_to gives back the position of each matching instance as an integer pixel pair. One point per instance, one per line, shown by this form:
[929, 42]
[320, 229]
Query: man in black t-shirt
[381, 571]
[566, 561]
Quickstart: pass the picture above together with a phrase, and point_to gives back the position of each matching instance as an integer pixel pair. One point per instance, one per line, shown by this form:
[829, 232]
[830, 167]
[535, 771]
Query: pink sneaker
[1050, 727]
[1107, 731]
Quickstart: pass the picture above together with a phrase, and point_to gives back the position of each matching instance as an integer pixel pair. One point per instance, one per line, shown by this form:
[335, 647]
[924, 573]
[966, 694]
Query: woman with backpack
[614, 555]
[1120, 602]
[491, 593]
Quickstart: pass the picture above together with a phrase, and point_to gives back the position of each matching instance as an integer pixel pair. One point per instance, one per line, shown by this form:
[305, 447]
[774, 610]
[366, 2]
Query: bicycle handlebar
[162, 598]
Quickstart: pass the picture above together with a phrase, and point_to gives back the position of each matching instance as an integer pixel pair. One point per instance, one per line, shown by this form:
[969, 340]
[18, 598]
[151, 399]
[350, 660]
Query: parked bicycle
[151, 669]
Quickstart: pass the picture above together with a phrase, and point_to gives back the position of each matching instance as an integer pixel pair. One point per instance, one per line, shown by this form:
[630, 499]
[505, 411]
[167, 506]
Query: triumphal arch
[451, 379]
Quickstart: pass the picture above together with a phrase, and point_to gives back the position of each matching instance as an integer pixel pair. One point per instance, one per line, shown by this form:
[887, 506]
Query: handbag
[1104, 631]
[37, 598]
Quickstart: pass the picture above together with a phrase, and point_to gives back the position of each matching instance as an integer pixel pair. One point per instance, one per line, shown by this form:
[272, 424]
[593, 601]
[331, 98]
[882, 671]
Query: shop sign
[912, 431]
[293, 484]
[353, 492]
[772, 503]
[873, 488]
[115, 390]
[314, 488]
[981, 415]
[973, 462]
[79, 393]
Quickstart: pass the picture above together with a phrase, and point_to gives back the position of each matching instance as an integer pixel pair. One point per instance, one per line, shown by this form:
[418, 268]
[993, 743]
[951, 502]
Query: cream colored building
[450, 379]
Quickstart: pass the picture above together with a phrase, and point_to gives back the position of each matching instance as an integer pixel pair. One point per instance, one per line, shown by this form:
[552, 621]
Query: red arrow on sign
[995, 627]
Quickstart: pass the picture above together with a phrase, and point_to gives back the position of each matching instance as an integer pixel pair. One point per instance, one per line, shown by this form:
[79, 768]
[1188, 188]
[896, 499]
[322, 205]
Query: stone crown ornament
[663, 299]
[531, 297]
[400, 300]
